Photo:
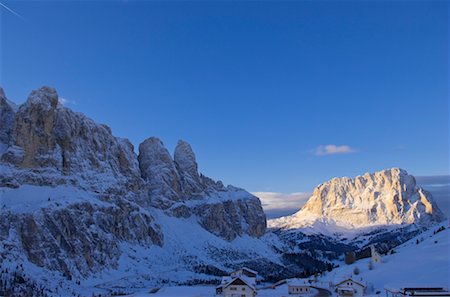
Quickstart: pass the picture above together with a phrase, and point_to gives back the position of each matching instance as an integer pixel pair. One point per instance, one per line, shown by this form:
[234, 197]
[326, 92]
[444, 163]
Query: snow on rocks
[388, 197]
[76, 201]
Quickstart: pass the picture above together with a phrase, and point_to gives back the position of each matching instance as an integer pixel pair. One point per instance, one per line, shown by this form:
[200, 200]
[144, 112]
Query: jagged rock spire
[186, 162]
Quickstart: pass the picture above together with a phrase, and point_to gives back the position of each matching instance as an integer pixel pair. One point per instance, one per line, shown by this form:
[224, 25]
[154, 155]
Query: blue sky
[273, 96]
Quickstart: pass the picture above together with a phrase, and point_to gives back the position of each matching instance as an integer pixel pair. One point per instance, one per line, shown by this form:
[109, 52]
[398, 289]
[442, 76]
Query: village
[244, 283]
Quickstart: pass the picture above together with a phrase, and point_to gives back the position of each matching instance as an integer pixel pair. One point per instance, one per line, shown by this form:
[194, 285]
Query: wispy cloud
[65, 101]
[11, 11]
[279, 204]
[332, 149]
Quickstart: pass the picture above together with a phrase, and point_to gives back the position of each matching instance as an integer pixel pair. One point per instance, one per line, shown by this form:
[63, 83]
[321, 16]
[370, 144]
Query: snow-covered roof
[248, 280]
[352, 280]
[227, 280]
[298, 282]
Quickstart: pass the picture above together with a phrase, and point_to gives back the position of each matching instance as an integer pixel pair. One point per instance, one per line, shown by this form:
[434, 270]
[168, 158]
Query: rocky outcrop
[233, 218]
[176, 186]
[186, 164]
[173, 179]
[388, 197]
[6, 120]
[159, 171]
[47, 139]
[48, 154]
[65, 239]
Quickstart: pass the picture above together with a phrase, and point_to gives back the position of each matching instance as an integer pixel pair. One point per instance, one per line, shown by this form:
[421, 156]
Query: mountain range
[81, 212]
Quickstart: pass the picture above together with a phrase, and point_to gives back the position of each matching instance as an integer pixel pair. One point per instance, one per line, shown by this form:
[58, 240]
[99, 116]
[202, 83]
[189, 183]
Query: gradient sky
[273, 96]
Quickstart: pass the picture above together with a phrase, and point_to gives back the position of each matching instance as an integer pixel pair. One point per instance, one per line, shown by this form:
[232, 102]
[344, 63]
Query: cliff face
[176, 186]
[73, 194]
[79, 239]
[388, 197]
[6, 119]
[50, 144]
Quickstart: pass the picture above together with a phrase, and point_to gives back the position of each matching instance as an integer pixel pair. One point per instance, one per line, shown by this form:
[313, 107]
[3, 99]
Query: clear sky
[274, 96]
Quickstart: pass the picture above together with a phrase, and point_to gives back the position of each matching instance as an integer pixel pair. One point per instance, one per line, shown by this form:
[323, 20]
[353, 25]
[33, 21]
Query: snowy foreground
[412, 264]
[206, 291]
[424, 264]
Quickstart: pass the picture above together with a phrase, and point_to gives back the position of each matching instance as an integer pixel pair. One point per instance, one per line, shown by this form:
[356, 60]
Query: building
[350, 288]
[376, 257]
[299, 287]
[245, 271]
[236, 286]
[416, 291]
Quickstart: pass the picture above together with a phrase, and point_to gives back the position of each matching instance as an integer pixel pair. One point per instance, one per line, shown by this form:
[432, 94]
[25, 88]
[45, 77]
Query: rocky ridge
[388, 197]
[89, 193]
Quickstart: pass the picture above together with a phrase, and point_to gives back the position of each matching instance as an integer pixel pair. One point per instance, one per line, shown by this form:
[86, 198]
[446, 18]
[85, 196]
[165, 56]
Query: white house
[350, 288]
[376, 257]
[299, 287]
[236, 286]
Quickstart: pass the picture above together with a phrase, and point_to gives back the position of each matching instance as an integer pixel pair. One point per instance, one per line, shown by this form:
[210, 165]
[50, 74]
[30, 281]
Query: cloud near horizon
[280, 204]
[439, 186]
[332, 149]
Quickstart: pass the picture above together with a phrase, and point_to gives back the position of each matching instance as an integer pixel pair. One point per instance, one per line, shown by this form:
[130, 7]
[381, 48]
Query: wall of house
[238, 291]
[299, 289]
[359, 291]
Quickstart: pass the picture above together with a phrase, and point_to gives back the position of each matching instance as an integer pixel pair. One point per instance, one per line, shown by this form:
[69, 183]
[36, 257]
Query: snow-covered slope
[75, 201]
[422, 261]
[423, 264]
[389, 197]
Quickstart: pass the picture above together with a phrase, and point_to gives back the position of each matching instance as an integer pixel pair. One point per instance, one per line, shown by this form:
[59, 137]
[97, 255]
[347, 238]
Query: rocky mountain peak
[153, 157]
[62, 146]
[2, 95]
[46, 97]
[185, 158]
[158, 169]
[387, 197]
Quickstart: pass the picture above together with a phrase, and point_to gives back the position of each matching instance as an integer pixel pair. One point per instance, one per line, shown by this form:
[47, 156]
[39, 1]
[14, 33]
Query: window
[243, 288]
[233, 288]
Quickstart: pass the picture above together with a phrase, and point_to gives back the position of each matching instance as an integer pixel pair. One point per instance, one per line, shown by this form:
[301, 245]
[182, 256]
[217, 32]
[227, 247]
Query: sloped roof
[226, 281]
[350, 279]
[298, 282]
